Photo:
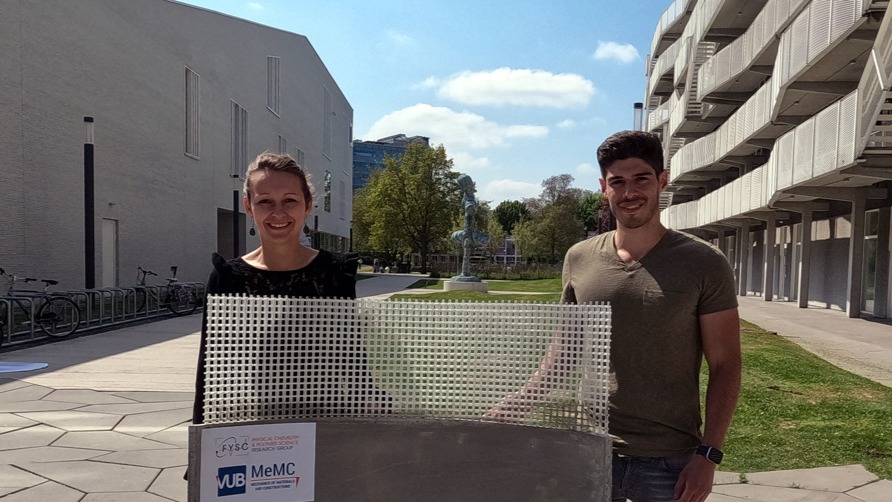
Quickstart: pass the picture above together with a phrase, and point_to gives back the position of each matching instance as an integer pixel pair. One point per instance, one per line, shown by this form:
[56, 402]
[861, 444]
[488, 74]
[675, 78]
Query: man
[673, 302]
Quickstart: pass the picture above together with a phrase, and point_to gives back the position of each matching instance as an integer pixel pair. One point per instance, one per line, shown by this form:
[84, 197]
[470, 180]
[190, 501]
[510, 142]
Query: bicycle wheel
[4, 318]
[135, 302]
[181, 300]
[58, 316]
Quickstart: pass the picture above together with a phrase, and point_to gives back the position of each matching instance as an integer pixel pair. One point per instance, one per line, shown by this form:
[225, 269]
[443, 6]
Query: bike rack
[12, 303]
[6, 322]
[100, 308]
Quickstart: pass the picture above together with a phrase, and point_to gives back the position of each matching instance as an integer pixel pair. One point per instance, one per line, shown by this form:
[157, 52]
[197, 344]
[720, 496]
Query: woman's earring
[252, 232]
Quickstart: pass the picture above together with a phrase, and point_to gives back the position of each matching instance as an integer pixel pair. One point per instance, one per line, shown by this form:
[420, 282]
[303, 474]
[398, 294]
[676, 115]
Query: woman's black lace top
[327, 276]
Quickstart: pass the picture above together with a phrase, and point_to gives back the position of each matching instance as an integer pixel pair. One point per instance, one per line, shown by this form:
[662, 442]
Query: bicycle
[135, 300]
[180, 299]
[55, 314]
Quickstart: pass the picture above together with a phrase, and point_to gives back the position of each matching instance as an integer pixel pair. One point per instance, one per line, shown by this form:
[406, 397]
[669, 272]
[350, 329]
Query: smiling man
[673, 302]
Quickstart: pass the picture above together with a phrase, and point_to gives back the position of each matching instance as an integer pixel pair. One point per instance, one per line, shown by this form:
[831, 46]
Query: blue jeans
[646, 479]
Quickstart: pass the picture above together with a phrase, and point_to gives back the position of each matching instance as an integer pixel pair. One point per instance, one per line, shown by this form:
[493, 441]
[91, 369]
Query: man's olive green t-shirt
[655, 349]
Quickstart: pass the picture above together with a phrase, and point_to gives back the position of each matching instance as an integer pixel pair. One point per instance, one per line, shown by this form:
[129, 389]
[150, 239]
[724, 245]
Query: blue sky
[516, 91]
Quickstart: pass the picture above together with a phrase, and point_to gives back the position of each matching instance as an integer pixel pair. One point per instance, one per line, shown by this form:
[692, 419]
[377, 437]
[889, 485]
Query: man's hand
[695, 481]
[511, 409]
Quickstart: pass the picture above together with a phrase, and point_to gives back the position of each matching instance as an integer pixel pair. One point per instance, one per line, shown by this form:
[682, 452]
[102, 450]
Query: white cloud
[462, 133]
[255, 5]
[624, 53]
[399, 39]
[518, 87]
[586, 170]
[500, 190]
[467, 163]
[566, 124]
[456, 130]
[428, 83]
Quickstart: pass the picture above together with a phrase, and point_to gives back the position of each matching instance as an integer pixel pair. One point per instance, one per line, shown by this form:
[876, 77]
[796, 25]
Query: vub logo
[231, 480]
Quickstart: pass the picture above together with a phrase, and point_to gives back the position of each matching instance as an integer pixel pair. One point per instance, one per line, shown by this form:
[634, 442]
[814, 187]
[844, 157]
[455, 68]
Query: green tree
[587, 211]
[508, 213]
[412, 203]
[550, 233]
[555, 220]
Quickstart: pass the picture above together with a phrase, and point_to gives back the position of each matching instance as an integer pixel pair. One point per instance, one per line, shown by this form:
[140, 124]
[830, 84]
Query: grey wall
[124, 64]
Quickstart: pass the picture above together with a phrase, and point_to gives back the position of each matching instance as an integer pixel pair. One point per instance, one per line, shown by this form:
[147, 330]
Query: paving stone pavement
[107, 420]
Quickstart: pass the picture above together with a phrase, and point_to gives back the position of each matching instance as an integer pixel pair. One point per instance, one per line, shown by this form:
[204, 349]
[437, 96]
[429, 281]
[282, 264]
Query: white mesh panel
[286, 358]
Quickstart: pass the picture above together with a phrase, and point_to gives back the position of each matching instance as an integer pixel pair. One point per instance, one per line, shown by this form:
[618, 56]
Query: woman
[278, 198]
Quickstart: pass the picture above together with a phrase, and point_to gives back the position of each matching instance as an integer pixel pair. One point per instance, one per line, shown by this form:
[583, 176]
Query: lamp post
[89, 197]
[235, 215]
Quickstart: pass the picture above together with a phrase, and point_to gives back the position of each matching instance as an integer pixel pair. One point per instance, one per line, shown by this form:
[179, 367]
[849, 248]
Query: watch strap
[711, 453]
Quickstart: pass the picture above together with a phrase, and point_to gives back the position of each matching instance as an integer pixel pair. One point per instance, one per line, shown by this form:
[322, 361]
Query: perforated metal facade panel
[285, 358]
[804, 147]
[827, 139]
[819, 27]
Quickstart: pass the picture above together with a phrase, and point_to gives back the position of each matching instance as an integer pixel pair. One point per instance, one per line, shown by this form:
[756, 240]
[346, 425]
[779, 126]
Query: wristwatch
[711, 453]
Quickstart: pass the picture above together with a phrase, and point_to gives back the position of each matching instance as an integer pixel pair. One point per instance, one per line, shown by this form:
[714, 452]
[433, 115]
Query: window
[342, 199]
[192, 122]
[272, 84]
[283, 145]
[327, 191]
[326, 123]
[300, 158]
[239, 141]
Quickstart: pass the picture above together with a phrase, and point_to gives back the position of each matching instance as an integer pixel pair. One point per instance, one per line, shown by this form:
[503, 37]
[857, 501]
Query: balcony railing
[806, 40]
[739, 55]
[742, 125]
[821, 25]
[820, 145]
[875, 110]
[667, 20]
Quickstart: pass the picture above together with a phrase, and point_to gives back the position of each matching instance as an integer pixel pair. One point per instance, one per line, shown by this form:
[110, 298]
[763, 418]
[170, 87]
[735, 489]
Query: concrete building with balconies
[182, 99]
[776, 119]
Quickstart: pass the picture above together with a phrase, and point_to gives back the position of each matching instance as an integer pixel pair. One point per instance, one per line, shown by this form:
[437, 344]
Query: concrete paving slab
[126, 496]
[160, 459]
[108, 440]
[145, 424]
[24, 456]
[177, 436]
[879, 491]
[25, 406]
[44, 492]
[31, 437]
[836, 479]
[170, 484]
[777, 494]
[72, 420]
[153, 397]
[7, 384]
[86, 396]
[135, 408]
[90, 477]
[13, 420]
[726, 478]
[13, 479]
[25, 393]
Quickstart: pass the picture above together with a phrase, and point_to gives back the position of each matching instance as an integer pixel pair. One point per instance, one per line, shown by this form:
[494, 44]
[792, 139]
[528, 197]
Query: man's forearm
[722, 393]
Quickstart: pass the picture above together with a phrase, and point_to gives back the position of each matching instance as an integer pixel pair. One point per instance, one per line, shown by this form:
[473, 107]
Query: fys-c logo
[226, 447]
[231, 480]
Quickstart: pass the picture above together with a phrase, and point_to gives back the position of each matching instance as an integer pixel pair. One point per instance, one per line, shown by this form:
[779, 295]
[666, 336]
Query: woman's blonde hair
[281, 162]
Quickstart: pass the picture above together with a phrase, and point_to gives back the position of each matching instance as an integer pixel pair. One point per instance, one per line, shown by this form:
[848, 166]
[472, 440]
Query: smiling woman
[278, 196]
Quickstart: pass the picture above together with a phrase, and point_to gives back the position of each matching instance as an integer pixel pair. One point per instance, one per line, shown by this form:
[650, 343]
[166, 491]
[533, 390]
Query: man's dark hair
[631, 144]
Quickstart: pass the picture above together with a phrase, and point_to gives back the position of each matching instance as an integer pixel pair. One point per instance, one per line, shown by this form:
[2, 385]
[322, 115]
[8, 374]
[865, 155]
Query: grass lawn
[795, 411]
[531, 286]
